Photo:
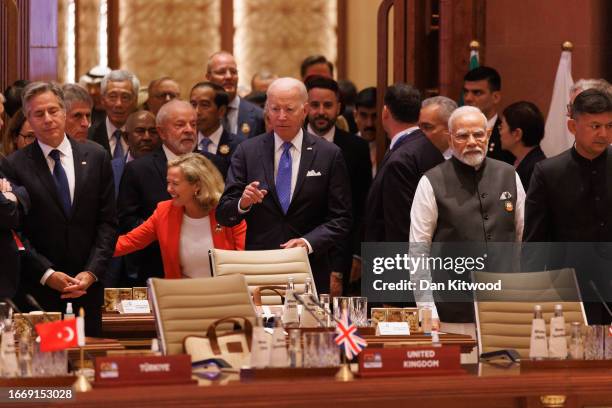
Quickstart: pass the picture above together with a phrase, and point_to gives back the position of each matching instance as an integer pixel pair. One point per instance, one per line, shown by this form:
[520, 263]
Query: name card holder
[409, 361]
[134, 307]
[392, 329]
[143, 370]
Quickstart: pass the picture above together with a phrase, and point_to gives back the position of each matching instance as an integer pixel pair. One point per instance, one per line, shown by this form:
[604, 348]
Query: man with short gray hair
[119, 98]
[587, 83]
[78, 111]
[290, 186]
[143, 184]
[71, 221]
[468, 198]
[433, 121]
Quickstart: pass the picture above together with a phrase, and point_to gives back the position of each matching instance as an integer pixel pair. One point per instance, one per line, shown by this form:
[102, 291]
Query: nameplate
[407, 361]
[143, 370]
[134, 306]
[393, 329]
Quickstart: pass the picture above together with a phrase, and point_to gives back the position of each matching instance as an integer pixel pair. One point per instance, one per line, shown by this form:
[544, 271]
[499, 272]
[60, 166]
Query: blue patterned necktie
[118, 152]
[204, 143]
[61, 181]
[283, 177]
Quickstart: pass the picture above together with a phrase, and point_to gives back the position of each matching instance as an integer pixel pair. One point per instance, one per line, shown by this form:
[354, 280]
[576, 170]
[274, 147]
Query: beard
[473, 158]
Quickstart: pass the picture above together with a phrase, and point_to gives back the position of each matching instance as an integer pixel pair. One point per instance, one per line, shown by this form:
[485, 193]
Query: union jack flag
[347, 337]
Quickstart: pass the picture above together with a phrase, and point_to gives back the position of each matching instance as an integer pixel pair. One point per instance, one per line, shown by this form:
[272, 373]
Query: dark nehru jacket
[473, 206]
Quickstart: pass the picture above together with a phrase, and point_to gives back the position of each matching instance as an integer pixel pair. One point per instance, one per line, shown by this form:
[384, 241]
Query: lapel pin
[309, 148]
[83, 163]
[508, 206]
[218, 228]
[245, 128]
[224, 149]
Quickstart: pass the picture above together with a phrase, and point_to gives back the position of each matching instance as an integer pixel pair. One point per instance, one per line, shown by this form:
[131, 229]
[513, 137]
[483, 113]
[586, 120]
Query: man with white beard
[469, 198]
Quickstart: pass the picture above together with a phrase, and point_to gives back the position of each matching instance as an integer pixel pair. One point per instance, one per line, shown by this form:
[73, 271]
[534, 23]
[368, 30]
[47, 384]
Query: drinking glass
[359, 311]
[311, 349]
[593, 342]
[342, 304]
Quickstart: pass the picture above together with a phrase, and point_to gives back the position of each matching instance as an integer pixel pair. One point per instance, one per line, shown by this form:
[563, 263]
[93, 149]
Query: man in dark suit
[411, 154]
[291, 187]
[242, 117]
[570, 201]
[482, 89]
[324, 108]
[144, 185]
[210, 102]
[119, 99]
[71, 222]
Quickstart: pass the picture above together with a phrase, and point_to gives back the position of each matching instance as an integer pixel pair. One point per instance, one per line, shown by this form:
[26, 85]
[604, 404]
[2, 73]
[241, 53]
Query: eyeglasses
[28, 137]
[464, 136]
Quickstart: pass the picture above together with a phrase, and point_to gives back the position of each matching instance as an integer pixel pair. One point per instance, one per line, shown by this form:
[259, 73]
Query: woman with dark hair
[18, 134]
[521, 131]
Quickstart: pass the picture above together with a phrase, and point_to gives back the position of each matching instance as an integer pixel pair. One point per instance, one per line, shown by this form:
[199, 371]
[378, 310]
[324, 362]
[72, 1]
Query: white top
[214, 140]
[423, 223]
[195, 241]
[329, 135]
[112, 142]
[232, 115]
[491, 122]
[66, 159]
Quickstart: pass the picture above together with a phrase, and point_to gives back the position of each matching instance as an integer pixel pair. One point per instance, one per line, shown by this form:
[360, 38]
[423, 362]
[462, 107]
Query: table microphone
[37, 306]
[601, 299]
[309, 310]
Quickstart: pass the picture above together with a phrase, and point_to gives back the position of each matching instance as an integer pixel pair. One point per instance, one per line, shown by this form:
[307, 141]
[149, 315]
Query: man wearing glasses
[469, 198]
[119, 97]
[242, 117]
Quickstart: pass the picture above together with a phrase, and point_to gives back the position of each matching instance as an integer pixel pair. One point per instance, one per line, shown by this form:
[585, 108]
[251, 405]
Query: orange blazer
[164, 225]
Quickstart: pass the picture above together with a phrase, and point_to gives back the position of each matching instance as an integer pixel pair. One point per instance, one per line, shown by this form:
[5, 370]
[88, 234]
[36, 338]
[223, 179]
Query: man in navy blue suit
[210, 102]
[242, 117]
[291, 187]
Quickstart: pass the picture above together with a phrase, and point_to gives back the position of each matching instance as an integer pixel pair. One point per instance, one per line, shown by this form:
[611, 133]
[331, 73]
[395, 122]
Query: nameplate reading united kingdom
[407, 361]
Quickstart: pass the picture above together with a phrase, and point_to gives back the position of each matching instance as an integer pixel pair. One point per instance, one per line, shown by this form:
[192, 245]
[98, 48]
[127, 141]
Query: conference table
[482, 385]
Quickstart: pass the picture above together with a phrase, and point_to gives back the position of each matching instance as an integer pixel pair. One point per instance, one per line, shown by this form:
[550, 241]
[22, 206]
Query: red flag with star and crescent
[61, 335]
[347, 337]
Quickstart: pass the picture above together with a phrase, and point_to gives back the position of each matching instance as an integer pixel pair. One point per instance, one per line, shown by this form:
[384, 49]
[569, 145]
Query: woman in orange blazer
[185, 226]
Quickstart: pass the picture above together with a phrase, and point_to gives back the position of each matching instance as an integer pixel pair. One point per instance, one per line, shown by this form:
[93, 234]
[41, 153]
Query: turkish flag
[61, 335]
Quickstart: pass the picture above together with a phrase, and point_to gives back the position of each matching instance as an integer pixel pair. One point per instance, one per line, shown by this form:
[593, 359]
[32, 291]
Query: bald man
[290, 186]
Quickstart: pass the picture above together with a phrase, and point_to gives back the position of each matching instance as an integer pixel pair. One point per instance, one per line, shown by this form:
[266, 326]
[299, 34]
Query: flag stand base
[345, 373]
[82, 384]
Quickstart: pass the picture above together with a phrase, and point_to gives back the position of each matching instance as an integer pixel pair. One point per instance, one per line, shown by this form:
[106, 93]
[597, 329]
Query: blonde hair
[200, 171]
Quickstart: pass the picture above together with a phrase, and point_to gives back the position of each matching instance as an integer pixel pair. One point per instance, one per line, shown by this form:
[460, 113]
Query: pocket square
[505, 195]
[312, 173]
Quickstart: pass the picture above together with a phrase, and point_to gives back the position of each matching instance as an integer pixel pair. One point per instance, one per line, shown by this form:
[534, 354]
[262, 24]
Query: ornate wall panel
[62, 57]
[158, 38]
[88, 44]
[277, 35]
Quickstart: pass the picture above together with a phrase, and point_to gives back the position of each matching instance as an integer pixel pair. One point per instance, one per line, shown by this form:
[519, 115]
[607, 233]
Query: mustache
[369, 129]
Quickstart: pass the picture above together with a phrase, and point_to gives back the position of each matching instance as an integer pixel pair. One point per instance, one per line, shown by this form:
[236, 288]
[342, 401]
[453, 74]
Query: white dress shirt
[67, 161]
[214, 138]
[169, 154]
[232, 115]
[195, 241]
[399, 134]
[424, 220]
[329, 135]
[65, 158]
[112, 141]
